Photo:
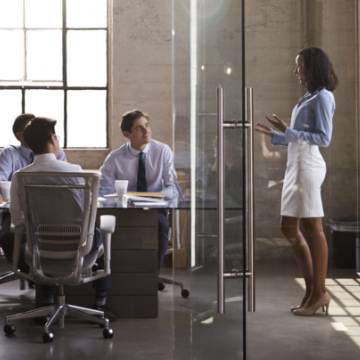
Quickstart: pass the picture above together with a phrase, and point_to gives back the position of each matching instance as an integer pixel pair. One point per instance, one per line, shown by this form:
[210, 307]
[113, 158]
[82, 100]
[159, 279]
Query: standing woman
[310, 127]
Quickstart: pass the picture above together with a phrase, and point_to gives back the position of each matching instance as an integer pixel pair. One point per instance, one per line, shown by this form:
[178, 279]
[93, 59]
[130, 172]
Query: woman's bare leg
[290, 227]
[319, 254]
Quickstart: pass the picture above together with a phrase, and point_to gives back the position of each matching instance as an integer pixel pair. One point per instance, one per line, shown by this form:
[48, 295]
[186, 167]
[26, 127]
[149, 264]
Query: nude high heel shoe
[322, 303]
[303, 301]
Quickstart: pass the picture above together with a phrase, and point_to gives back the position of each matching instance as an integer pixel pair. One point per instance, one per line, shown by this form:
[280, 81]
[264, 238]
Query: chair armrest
[107, 223]
[107, 227]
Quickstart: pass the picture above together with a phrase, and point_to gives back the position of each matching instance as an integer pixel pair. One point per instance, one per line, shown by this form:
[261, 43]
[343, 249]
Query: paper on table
[134, 198]
[146, 194]
[159, 203]
[111, 195]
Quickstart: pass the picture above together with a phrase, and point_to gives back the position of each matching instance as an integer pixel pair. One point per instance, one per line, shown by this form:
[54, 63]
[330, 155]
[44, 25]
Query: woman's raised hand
[277, 123]
[263, 129]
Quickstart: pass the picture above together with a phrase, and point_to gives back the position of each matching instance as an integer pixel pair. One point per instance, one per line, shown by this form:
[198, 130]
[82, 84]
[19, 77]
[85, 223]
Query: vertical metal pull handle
[250, 196]
[220, 190]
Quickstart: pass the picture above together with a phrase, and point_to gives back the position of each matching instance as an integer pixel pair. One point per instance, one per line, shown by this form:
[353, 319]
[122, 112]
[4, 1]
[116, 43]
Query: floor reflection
[344, 308]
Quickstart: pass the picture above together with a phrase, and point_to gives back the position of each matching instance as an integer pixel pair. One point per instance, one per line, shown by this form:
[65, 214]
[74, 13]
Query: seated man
[147, 164]
[12, 159]
[40, 136]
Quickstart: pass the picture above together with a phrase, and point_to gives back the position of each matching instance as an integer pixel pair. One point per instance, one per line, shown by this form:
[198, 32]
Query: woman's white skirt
[305, 173]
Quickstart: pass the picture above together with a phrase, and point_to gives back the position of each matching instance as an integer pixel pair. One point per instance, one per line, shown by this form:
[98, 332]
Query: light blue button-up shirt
[311, 120]
[122, 164]
[14, 158]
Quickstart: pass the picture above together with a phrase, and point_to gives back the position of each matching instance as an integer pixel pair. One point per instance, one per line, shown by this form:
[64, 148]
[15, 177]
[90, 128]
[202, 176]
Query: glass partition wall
[210, 136]
[274, 35]
[208, 52]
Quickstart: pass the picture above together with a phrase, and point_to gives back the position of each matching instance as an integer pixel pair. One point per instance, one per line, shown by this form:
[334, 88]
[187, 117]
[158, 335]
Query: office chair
[8, 276]
[164, 280]
[59, 221]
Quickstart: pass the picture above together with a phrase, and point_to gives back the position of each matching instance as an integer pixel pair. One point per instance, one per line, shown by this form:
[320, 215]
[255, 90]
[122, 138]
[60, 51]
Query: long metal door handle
[250, 201]
[220, 190]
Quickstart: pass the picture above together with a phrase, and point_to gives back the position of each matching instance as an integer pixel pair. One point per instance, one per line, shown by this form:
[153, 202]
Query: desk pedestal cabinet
[134, 266]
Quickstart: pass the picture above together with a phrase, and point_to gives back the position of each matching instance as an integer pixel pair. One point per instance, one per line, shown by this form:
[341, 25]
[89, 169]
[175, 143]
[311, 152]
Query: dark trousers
[44, 292]
[163, 234]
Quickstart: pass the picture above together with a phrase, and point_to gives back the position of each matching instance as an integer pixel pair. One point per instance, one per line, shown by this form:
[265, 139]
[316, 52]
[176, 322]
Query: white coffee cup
[5, 190]
[121, 187]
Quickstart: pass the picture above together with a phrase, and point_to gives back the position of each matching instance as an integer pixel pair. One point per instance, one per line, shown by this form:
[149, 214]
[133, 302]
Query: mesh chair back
[59, 213]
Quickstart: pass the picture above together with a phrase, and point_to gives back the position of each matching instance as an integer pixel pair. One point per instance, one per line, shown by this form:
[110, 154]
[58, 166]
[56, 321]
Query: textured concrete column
[142, 64]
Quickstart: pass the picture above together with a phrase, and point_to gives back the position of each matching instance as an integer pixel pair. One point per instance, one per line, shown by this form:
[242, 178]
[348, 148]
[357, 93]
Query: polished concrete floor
[188, 328]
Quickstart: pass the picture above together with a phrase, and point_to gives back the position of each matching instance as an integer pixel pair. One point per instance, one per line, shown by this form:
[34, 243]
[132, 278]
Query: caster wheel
[9, 329]
[185, 293]
[161, 286]
[108, 333]
[48, 337]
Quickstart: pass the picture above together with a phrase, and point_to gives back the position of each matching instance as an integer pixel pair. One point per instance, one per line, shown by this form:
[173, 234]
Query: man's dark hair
[130, 117]
[21, 121]
[37, 134]
[318, 69]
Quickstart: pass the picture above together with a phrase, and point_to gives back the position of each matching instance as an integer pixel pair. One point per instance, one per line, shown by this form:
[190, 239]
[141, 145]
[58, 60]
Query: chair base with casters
[56, 314]
[11, 276]
[7, 276]
[162, 280]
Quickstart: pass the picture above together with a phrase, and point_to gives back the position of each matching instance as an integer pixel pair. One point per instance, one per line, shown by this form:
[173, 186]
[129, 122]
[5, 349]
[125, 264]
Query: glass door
[213, 141]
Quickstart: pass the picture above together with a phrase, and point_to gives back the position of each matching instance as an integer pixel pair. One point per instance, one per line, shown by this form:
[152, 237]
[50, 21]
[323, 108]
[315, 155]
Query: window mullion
[23, 100]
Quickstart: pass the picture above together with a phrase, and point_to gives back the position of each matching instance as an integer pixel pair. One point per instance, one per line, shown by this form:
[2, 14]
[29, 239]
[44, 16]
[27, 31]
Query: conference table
[134, 258]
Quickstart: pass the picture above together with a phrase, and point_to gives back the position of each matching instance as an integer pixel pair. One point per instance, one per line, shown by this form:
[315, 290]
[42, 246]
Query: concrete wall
[333, 27]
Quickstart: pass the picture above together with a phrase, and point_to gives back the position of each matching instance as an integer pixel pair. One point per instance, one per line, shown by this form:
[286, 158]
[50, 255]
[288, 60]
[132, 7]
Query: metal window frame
[64, 85]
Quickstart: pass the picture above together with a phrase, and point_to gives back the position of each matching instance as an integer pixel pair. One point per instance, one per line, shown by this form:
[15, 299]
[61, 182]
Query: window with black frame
[54, 63]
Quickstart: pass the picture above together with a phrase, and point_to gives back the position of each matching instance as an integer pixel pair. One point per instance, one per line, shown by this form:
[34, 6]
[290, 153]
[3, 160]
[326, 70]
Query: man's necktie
[141, 179]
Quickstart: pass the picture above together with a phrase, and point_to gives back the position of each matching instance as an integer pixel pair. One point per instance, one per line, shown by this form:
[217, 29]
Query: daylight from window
[55, 66]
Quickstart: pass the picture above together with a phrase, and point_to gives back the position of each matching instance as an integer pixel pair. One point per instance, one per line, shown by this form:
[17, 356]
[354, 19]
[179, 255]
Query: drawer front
[127, 237]
[121, 284]
[134, 261]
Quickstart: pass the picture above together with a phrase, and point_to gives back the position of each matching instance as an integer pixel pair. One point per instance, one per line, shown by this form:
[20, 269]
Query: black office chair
[59, 212]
